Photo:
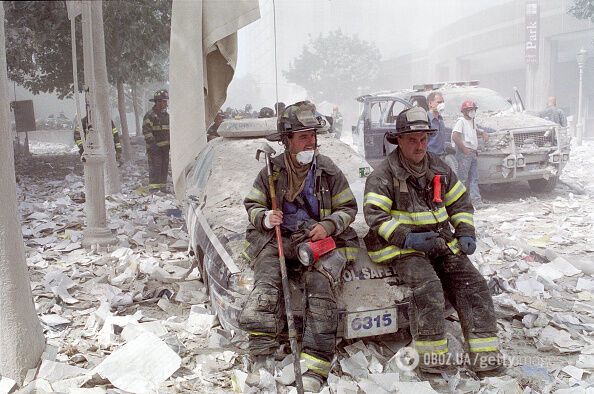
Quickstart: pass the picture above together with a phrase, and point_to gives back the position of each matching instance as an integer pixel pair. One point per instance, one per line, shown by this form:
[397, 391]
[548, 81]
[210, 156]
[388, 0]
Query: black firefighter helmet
[411, 120]
[300, 116]
[162, 94]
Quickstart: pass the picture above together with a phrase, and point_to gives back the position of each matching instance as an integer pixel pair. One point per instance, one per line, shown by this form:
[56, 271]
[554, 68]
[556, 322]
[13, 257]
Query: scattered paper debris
[141, 365]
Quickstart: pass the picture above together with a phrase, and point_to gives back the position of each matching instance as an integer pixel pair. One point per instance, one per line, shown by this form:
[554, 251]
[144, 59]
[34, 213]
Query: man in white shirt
[465, 136]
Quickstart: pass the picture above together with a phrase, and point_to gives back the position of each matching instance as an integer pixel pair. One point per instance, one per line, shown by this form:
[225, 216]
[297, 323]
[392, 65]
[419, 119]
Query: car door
[379, 118]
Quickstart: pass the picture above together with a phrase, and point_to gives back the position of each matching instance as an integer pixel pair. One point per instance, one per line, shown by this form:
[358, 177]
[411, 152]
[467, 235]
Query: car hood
[507, 120]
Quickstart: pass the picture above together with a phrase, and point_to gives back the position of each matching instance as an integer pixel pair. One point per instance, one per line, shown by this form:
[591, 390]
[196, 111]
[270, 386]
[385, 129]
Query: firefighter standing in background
[155, 128]
[409, 228]
[315, 202]
[114, 131]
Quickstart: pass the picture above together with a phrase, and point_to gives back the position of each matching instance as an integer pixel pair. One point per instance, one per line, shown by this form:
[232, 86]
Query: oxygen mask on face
[472, 113]
[440, 108]
[305, 157]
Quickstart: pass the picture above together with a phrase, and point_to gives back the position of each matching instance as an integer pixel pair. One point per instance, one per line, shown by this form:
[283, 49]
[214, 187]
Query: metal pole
[101, 95]
[581, 59]
[75, 77]
[96, 232]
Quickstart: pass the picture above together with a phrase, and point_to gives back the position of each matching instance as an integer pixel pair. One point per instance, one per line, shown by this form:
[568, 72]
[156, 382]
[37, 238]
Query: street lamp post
[96, 232]
[581, 61]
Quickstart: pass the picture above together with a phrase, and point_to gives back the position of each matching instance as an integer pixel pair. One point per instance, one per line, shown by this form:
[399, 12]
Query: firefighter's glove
[272, 218]
[424, 242]
[467, 245]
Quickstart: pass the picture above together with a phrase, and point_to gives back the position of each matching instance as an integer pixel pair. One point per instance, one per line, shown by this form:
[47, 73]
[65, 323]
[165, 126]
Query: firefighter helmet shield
[162, 94]
[411, 120]
[300, 116]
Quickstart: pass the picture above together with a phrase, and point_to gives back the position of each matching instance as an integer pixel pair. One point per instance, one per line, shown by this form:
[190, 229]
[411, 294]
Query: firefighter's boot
[312, 383]
[487, 363]
[434, 357]
[436, 364]
[257, 363]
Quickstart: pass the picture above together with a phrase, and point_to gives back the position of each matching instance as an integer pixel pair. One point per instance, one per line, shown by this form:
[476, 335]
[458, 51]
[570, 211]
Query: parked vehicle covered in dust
[521, 146]
[372, 302]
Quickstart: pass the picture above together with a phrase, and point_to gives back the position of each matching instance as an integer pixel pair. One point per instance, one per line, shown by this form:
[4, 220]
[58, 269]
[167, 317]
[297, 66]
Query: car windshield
[486, 100]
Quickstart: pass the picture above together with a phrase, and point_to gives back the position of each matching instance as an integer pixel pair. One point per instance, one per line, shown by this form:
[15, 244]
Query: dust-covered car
[521, 146]
[371, 302]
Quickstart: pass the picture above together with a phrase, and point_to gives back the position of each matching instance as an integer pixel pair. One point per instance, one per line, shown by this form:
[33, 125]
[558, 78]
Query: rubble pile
[136, 318]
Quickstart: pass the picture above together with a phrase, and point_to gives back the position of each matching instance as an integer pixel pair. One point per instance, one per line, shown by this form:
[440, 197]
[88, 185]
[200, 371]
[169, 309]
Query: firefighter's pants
[263, 316]
[454, 277]
[158, 166]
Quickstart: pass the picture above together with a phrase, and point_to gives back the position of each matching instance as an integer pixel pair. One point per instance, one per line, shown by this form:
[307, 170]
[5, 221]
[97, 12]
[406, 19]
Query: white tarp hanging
[203, 54]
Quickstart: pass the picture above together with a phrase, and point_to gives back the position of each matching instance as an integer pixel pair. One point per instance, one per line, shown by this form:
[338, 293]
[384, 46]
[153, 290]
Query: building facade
[531, 45]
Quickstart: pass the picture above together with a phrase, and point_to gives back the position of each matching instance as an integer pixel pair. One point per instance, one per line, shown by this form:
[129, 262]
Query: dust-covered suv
[521, 147]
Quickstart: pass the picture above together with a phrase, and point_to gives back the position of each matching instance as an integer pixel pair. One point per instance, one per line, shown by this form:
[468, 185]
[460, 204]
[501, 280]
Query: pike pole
[268, 151]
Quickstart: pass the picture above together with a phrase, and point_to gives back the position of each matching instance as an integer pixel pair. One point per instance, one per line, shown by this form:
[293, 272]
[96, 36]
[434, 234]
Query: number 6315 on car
[368, 323]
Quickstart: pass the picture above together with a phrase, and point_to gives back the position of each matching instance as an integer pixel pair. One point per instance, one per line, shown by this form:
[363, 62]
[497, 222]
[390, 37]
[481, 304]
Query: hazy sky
[395, 26]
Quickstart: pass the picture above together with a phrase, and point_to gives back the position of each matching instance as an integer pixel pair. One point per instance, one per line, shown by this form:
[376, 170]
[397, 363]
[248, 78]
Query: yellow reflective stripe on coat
[114, 130]
[435, 347]
[421, 218]
[118, 146]
[148, 121]
[244, 254]
[388, 253]
[149, 136]
[462, 217]
[325, 212]
[257, 196]
[477, 345]
[343, 197]
[454, 246]
[349, 253]
[382, 202]
[254, 212]
[163, 143]
[316, 365]
[387, 228]
[454, 193]
[261, 334]
[154, 185]
[78, 142]
[160, 127]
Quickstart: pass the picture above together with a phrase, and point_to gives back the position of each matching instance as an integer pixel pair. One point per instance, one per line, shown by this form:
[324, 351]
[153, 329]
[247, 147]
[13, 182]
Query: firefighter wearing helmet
[315, 202]
[155, 128]
[421, 224]
[465, 137]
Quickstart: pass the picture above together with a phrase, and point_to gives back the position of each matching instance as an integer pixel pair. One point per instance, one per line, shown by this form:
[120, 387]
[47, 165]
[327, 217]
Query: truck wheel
[543, 185]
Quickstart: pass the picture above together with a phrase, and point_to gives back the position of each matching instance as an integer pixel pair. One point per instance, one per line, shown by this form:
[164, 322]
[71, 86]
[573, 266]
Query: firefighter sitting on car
[315, 201]
[79, 141]
[425, 234]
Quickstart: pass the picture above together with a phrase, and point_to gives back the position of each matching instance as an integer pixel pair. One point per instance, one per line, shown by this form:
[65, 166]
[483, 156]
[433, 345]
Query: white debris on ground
[137, 318]
[50, 148]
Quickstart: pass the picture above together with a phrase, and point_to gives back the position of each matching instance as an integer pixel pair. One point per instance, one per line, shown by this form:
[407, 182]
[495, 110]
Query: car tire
[543, 185]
